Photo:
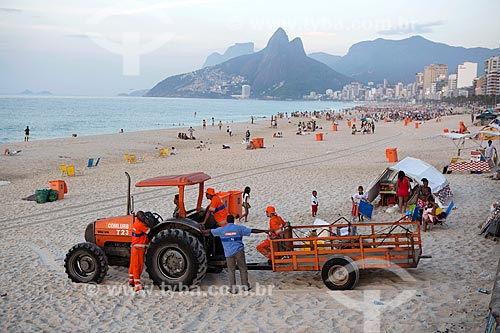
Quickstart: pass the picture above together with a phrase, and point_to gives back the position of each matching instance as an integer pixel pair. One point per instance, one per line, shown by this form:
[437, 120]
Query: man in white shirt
[490, 153]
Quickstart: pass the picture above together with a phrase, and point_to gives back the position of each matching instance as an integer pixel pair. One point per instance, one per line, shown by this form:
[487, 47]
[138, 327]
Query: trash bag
[52, 195]
[392, 209]
[41, 196]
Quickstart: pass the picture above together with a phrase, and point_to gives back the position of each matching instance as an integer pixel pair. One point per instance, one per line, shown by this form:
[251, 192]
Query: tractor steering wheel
[158, 217]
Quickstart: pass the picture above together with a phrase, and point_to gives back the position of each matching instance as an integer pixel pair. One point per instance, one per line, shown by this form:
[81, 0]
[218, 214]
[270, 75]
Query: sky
[106, 47]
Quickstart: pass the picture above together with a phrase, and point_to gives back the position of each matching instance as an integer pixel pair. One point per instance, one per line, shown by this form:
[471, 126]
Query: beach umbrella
[491, 131]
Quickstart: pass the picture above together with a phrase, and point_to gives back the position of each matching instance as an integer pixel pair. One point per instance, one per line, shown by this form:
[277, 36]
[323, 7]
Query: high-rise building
[452, 83]
[432, 74]
[478, 83]
[245, 91]
[491, 84]
[466, 73]
[398, 88]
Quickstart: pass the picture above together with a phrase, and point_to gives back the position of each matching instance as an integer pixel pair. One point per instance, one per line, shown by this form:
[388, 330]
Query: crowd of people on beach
[380, 112]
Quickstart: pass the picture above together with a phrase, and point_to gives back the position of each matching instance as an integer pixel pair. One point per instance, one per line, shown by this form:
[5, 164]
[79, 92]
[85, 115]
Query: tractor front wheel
[86, 262]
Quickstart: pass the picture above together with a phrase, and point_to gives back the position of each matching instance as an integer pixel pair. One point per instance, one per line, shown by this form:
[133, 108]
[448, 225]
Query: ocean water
[51, 117]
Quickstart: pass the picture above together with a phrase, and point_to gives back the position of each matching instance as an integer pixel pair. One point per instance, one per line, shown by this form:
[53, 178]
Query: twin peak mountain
[281, 70]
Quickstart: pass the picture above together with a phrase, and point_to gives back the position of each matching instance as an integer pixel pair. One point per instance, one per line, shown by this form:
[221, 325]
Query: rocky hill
[281, 70]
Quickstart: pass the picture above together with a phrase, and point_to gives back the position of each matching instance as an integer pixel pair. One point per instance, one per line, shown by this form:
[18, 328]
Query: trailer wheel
[176, 260]
[86, 262]
[340, 273]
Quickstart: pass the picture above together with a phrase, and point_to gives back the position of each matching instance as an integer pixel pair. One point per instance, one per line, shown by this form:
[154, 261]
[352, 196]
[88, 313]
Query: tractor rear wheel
[176, 260]
[86, 262]
[340, 273]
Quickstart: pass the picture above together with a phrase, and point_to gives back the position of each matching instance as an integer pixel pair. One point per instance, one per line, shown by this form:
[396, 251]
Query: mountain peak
[278, 39]
[297, 46]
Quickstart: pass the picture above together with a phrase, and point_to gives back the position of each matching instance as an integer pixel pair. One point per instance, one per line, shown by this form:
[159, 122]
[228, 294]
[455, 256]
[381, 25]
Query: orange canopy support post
[201, 193]
[182, 208]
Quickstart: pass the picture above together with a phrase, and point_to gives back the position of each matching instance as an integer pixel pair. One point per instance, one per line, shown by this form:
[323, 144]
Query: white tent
[415, 169]
[461, 141]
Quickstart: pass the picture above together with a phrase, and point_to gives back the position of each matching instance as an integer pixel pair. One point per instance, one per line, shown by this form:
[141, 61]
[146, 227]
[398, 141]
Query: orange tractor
[178, 256]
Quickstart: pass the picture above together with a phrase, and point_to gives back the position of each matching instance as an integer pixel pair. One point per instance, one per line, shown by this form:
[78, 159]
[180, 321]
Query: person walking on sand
[191, 130]
[27, 134]
[220, 125]
[314, 203]
[213, 122]
[403, 191]
[246, 204]
[204, 124]
[231, 236]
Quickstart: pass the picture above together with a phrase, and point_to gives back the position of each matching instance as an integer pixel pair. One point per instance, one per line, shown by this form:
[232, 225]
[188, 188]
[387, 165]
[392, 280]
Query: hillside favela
[229, 166]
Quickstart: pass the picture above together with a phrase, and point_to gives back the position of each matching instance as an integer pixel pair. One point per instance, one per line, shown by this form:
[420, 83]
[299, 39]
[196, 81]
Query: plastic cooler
[334, 127]
[60, 187]
[235, 203]
[319, 136]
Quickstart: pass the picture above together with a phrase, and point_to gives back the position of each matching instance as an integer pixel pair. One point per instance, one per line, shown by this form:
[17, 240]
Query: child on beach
[245, 204]
[356, 199]
[314, 203]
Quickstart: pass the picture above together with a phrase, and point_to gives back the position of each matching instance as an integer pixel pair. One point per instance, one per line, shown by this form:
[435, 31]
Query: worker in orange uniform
[140, 242]
[276, 227]
[217, 209]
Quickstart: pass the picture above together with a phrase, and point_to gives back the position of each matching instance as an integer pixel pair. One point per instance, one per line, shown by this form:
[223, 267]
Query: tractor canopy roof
[175, 180]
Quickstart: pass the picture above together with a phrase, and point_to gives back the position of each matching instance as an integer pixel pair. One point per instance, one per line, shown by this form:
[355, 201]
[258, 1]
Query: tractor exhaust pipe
[129, 201]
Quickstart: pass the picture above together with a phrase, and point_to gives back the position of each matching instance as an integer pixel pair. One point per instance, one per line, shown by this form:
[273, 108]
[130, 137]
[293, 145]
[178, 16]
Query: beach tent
[415, 169]
[461, 141]
[492, 130]
[486, 117]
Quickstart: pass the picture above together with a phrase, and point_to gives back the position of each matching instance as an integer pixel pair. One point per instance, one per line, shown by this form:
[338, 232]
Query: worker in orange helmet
[276, 227]
[140, 242]
[217, 209]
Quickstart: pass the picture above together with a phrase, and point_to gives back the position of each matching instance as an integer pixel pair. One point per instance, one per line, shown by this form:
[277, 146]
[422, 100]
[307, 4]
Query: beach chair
[163, 152]
[442, 221]
[63, 169]
[127, 157]
[141, 159]
[131, 158]
[97, 162]
[90, 163]
[70, 171]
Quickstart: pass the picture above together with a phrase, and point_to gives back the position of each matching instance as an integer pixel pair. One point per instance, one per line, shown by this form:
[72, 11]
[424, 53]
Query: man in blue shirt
[231, 236]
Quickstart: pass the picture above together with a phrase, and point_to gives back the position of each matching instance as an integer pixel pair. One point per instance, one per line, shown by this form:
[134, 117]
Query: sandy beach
[440, 294]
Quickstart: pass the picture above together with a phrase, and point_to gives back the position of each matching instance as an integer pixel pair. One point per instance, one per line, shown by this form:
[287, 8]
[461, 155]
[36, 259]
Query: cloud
[77, 36]
[10, 10]
[411, 28]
